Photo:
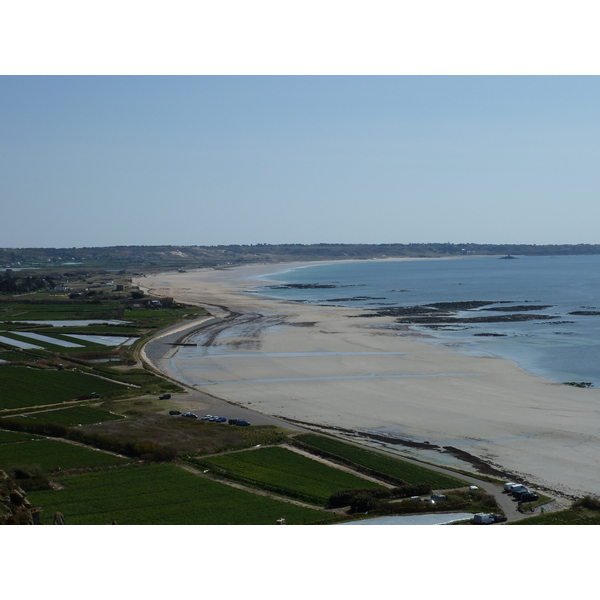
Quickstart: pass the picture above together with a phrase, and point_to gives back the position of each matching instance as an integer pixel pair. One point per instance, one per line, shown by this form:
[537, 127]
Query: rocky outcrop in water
[520, 307]
[491, 319]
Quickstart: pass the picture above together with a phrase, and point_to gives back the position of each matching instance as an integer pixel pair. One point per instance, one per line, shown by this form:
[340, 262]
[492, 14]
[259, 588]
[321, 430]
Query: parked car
[206, 417]
[165, 397]
[189, 415]
[233, 421]
[213, 419]
[174, 412]
[242, 423]
[221, 419]
[529, 497]
[520, 493]
[499, 518]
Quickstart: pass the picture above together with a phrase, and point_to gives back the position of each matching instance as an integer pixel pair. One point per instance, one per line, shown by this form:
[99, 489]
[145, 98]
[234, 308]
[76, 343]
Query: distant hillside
[161, 257]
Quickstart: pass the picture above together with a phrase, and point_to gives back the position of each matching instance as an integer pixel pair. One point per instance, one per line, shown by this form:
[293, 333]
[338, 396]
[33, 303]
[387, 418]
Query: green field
[288, 473]
[50, 454]
[382, 464]
[162, 495]
[571, 516]
[21, 386]
[8, 437]
[76, 415]
[58, 310]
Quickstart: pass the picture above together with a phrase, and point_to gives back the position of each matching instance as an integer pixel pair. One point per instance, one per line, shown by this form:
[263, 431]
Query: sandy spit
[315, 364]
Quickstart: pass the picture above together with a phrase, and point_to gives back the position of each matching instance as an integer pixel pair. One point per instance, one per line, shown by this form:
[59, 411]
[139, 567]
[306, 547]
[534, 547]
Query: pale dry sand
[324, 368]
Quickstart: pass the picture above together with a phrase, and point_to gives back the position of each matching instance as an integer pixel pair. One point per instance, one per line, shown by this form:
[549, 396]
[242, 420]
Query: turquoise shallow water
[561, 347]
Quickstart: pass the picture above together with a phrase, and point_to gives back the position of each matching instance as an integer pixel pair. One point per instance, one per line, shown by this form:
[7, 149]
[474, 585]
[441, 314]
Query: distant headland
[190, 257]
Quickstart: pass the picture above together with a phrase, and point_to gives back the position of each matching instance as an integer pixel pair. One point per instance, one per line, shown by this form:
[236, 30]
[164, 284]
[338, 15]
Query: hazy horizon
[96, 161]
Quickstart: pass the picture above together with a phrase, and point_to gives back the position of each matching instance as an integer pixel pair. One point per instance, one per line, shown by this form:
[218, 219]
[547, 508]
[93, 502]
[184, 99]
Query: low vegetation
[24, 387]
[583, 511]
[395, 501]
[8, 437]
[285, 472]
[397, 471]
[77, 415]
[162, 495]
[52, 455]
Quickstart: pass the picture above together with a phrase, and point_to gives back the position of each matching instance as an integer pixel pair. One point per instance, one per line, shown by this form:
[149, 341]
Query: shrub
[29, 478]
[587, 502]
[346, 497]
[363, 502]
[163, 454]
[410, 489]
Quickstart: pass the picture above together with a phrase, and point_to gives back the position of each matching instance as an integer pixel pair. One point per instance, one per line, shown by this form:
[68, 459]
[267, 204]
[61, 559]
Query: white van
[483, 519]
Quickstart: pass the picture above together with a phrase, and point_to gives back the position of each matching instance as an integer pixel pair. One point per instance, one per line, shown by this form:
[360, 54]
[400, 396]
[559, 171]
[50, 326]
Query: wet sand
[318, 365]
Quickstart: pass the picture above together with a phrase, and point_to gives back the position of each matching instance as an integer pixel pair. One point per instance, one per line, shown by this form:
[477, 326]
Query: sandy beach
[327, 367]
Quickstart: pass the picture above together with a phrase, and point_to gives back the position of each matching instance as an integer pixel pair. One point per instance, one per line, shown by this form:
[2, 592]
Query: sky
[208, 160]
[237, 123]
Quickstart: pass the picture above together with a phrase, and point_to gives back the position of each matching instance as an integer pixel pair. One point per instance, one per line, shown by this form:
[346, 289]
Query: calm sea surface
[565, 347]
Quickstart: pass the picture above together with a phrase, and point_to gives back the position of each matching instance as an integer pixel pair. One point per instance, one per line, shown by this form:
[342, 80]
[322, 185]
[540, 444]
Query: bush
[410, 489]
[29, 478]
[346, 497]
[163, 454]
[587, 502]
[363, 502]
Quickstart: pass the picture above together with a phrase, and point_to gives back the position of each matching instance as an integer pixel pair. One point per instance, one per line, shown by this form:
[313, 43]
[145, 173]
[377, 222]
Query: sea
[557, 344]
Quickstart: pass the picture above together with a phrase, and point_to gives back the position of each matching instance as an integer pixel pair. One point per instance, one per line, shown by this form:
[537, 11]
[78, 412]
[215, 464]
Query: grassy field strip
[240, 486]
[395, 467]
[22, 387]
[10, 437]
[51, 455]
[131, 385]
[284, 472]
[336, 465]
[162, 495]
[14, 412]
[76, 415]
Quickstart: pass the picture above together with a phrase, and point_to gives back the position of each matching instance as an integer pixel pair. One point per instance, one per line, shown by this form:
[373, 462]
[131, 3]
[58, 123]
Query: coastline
[315, 365]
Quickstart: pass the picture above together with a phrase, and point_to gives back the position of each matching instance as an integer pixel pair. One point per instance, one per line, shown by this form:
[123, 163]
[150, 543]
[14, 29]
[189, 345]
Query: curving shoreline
[316, 365]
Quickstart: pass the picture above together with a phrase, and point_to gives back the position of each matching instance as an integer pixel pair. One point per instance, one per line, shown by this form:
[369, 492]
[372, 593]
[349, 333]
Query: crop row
[376, 462]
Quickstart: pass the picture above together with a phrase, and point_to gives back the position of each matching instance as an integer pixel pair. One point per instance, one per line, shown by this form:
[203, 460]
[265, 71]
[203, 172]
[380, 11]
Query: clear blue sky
[101, 161]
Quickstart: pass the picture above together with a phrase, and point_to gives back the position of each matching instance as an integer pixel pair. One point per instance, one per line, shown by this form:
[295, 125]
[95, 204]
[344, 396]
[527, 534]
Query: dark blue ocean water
[566, 348]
